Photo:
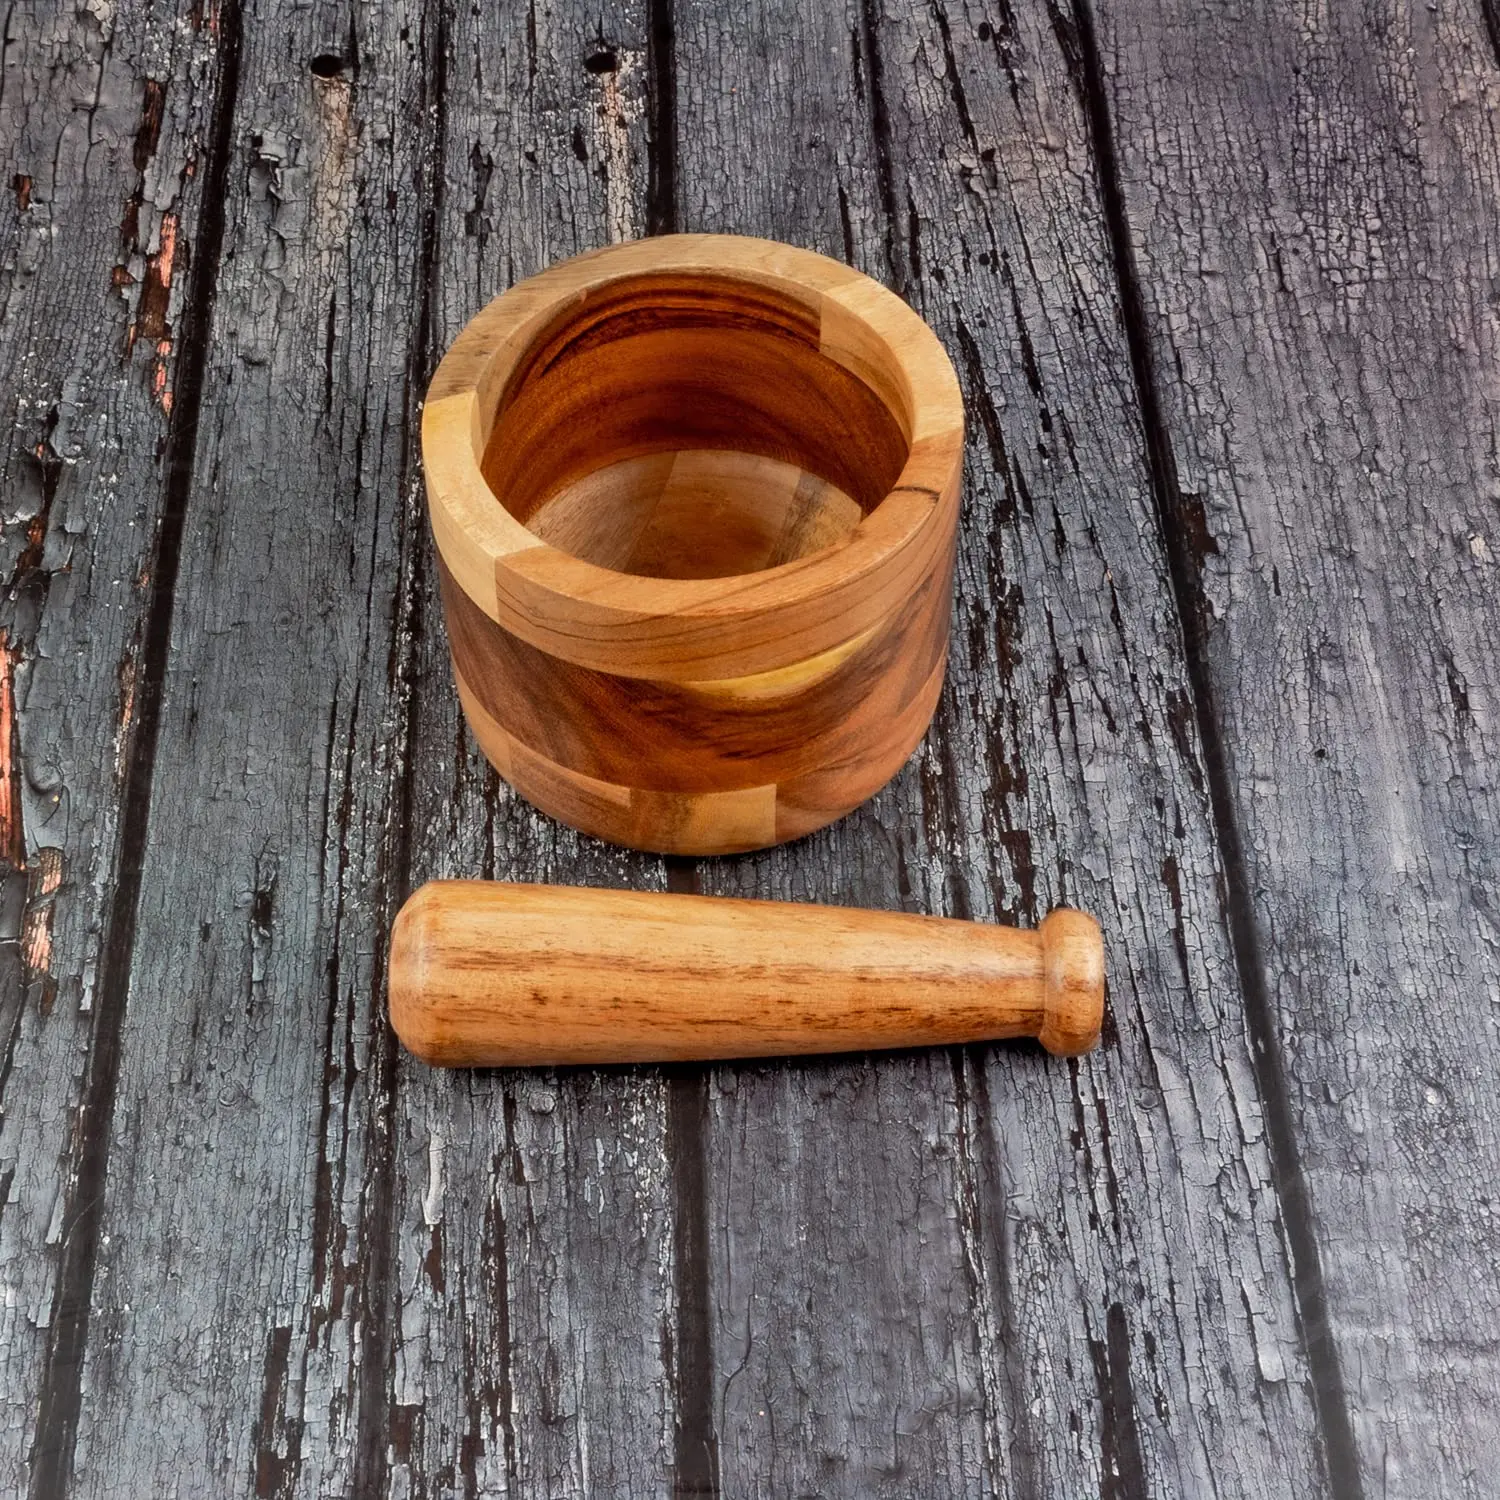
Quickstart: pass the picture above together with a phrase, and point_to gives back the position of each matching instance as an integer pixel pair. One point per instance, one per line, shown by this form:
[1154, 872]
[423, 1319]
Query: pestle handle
[484, 974]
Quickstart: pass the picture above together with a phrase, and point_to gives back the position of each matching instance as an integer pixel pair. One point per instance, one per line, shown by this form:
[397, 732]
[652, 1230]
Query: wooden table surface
[1222, 284]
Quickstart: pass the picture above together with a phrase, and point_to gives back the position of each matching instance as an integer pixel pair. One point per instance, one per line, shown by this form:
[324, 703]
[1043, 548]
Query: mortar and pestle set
[695, 502]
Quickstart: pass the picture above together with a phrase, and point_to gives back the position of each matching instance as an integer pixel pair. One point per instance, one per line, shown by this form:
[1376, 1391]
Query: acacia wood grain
[490, 974]
[704, 736]
[696, 513]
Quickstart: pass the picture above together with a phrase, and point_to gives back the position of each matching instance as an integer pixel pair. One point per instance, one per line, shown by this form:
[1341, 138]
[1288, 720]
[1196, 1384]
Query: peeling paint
[127, 712]
[160, 388]
[148, 133]
[151, 321]
[12, 833]
[432, 1201]
[36, 931]
[617, 111]
[143, 150]
[335, 97]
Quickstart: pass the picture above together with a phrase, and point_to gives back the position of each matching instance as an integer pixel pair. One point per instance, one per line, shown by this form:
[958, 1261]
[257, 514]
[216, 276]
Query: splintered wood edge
[691, 630]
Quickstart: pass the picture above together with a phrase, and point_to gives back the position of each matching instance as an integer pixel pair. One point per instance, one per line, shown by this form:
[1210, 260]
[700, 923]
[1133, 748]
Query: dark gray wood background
[1222, 284]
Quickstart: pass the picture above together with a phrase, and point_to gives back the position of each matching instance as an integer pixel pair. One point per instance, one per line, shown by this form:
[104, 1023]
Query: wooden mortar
[695, 502]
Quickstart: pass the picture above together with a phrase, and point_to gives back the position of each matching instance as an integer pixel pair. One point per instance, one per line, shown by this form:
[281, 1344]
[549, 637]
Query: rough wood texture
[1047, 1283]
[1311, 205]
[495, 974]
[239, 1284]
[105, 119]
[1244, 1249]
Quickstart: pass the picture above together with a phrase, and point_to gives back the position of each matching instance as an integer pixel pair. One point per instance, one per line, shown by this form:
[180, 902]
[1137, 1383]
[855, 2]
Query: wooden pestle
[490, 974]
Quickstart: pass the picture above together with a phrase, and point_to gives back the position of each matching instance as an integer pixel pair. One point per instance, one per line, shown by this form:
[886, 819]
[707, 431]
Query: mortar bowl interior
[677, 425]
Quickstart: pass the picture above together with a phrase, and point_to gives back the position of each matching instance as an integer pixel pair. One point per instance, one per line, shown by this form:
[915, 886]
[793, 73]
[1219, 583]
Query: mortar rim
[695, 629]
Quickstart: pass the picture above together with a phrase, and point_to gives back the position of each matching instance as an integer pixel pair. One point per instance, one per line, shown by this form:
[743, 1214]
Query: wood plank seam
[880, 134]
[695, 1454]
[696, 1445]
[1490, 10]
[661, 146]
[695, 1441]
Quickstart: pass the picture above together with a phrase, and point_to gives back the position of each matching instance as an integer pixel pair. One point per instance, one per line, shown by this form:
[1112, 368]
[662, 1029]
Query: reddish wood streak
[12, 834]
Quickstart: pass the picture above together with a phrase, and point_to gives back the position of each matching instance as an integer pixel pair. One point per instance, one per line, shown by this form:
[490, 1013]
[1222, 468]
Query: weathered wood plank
[988, 1270]
[241, 1283]
[103, 116]
[1312, 202]
[537, 1298]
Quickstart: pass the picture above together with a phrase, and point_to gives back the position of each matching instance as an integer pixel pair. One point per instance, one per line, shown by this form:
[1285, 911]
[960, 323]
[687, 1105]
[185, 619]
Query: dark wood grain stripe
[695, 1473]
